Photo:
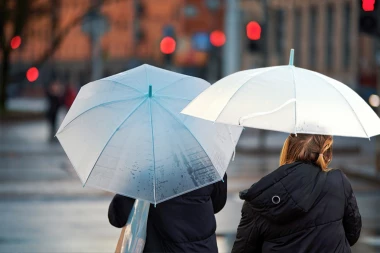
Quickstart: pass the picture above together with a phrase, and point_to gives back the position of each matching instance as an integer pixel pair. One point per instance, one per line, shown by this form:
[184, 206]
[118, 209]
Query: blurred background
[50, 48]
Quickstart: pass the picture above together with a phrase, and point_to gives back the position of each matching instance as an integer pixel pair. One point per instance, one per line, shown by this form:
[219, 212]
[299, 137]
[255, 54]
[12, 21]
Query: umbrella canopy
[286, 99]
[125, 134]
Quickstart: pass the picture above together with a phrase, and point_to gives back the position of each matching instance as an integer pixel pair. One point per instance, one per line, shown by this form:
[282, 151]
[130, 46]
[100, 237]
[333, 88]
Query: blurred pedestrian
[303, 206]
[182, 224]
[70, 94]
[55, 100]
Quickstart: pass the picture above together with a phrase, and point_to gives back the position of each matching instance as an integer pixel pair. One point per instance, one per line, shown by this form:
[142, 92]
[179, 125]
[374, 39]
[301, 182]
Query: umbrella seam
[151, 125]
[172, 97]
[176, 118]
[96, 106]
[340, 93]
[269, 69]
[129, 115]
[154, 157]
[172, 84]
[295, 100]
[121, 84]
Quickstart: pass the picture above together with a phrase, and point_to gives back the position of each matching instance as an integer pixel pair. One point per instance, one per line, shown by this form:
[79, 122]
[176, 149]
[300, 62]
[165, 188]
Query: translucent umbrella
[286, 99]
[125, 134]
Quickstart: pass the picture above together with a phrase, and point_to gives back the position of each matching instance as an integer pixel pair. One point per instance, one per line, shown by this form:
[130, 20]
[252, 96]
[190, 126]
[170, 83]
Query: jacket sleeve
[352, 221]
[119, 209]
[219, 194]
[248, 238]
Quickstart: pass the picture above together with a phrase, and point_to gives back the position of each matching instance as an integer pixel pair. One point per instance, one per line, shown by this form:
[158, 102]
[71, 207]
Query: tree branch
[58, 38]
[3, 15]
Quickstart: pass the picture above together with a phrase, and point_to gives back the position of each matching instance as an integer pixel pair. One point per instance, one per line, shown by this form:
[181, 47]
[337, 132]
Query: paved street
[44, 208]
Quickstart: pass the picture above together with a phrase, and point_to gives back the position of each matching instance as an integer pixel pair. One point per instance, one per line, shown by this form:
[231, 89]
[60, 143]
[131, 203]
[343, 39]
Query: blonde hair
[307, 148]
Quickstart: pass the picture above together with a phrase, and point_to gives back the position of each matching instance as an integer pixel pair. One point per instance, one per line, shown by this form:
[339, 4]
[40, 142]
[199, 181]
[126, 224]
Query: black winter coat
[182, 224]
[299, 208]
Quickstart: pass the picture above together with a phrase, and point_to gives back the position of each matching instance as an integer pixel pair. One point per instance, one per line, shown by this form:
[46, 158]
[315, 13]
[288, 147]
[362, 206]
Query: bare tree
[16, 14]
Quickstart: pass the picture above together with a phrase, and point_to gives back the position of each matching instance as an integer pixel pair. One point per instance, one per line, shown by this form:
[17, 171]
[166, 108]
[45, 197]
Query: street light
[368, 5]
[167, 45]
[95, 25]
[15, 42]
[217, 38]
[253, 30]
[32, 74]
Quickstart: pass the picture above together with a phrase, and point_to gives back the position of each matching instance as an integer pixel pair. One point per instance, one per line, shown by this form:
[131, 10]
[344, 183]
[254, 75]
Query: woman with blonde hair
[303, 206]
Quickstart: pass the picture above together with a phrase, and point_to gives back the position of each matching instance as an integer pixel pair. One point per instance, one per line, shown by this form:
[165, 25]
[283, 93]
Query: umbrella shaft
[135, 232]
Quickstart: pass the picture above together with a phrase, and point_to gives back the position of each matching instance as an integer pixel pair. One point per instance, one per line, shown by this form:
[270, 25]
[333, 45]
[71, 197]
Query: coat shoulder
[336, 176]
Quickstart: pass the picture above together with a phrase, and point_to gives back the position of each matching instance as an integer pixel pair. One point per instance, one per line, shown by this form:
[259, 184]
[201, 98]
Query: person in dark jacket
[54, 96]
[183, 224]
[303, 206]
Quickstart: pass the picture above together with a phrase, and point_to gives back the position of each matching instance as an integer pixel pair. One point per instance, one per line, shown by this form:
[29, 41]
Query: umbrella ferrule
[150, 90]
[291, 58]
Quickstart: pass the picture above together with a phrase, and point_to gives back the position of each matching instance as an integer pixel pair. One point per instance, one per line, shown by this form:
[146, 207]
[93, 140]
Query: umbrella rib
[295, 100]
[96, 106]
[172, 97]
[233, 142]
[179, 121]
[122, 84]
[172, 83]
[253, 115]
[154, 156]
[109, 139]
[340, 93]
[151, 125]
[254, 75]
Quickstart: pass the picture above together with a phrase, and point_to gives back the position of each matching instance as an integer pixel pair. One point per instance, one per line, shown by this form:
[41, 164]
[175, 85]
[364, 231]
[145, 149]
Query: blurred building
[136, 28]
[324, 34]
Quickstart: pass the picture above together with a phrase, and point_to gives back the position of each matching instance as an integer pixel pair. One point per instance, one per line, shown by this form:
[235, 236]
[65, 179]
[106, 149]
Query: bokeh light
[32, 74]
[374, 100]
[368, 5]
[253, 30]
[167, 45]
[15, 42]
[217, 38]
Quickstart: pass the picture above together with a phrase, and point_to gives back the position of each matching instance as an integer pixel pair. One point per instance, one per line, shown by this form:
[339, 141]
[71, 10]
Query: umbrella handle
[135, 231]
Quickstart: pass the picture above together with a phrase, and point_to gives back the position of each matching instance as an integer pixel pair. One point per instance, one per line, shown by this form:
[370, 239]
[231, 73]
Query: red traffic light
[217, 38]
[167, 45]
[253, 30]
[15, 42]
[32, 74]
[368, 5]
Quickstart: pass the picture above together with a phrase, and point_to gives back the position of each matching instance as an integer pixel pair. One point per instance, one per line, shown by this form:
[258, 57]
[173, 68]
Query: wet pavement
[44, 208]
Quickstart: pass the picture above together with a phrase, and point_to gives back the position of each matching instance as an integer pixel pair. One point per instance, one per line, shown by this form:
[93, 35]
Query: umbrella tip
[150, 90]
[291, 58]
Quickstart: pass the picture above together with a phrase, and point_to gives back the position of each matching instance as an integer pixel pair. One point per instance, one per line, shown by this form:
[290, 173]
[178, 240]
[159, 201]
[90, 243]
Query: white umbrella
[125, 134]
[287, 99]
